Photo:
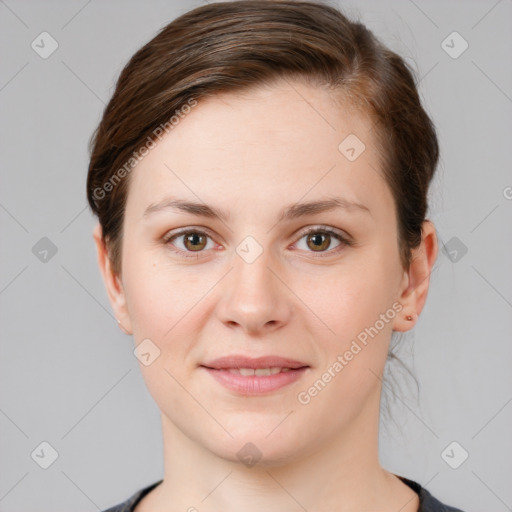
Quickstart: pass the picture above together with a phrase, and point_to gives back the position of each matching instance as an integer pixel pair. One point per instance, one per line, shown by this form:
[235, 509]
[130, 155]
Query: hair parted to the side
[232, 46]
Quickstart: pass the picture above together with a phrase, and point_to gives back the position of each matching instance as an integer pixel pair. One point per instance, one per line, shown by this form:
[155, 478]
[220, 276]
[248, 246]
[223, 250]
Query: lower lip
[255, 384]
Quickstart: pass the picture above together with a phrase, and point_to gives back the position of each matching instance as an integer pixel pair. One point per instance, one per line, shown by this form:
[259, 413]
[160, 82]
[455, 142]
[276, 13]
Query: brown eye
[324, 241]
[190, 241]
[194, 241]
[318, 241]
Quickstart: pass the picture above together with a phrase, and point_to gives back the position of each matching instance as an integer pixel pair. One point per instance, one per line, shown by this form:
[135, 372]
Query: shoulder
[133, 500]
[427, 502]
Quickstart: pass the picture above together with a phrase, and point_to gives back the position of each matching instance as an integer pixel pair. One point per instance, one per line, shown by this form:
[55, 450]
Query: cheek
[169, 302]
[354, 296]
[160, 295]
[358, 304]
[163, 308]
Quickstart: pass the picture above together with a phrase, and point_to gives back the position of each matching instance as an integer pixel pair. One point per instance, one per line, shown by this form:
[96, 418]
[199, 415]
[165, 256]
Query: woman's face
[253, 283]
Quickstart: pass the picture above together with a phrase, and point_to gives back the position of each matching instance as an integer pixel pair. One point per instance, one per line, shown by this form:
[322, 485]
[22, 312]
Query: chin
[258, 445]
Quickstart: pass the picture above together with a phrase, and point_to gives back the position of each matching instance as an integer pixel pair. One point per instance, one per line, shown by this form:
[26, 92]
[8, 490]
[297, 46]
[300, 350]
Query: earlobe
[113, 283]
[415, 284]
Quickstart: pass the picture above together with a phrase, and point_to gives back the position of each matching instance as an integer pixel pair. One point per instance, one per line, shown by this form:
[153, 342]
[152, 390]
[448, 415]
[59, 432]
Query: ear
[415, 282]
[113, 283]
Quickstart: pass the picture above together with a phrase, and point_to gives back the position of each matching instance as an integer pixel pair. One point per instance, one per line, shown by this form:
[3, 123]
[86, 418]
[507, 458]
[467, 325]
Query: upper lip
[239, 361]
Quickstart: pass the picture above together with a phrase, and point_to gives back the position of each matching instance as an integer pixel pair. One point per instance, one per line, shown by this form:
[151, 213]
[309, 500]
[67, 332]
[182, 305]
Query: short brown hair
[231, 46]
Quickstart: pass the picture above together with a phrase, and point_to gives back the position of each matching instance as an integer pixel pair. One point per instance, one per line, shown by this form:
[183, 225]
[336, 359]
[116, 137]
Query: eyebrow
[289, 213]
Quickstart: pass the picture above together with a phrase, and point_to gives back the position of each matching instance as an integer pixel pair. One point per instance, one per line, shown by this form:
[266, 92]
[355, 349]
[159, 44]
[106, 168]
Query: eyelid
[173, 232]
[325, 228]
[343, 237]
[305, 231]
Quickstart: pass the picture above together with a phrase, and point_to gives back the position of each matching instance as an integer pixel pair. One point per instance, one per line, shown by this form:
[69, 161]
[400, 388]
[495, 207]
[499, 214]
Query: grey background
[68, 375]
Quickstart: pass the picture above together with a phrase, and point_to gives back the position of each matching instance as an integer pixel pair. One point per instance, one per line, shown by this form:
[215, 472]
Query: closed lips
[251, 376]
[246, 366]
[246, 372]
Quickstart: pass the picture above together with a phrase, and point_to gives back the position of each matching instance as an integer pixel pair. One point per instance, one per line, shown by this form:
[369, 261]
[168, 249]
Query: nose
[255, 297]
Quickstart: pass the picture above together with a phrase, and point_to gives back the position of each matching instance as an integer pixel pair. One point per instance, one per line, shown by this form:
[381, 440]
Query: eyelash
[315, 229]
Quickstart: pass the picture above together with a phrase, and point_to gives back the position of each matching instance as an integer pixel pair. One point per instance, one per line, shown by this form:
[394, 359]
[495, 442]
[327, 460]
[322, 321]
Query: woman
[260, 177]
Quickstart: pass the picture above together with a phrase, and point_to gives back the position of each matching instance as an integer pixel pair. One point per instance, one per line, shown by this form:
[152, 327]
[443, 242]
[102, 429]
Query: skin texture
[252, 155]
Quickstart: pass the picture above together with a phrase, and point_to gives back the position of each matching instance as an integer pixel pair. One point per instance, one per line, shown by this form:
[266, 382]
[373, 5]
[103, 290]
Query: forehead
[271, 144]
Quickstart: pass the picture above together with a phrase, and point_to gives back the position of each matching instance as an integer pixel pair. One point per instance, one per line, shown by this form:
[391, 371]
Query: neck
[341, 474]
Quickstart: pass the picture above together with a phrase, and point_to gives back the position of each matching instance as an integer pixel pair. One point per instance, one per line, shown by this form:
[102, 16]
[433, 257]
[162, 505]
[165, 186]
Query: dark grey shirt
[427, 502]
